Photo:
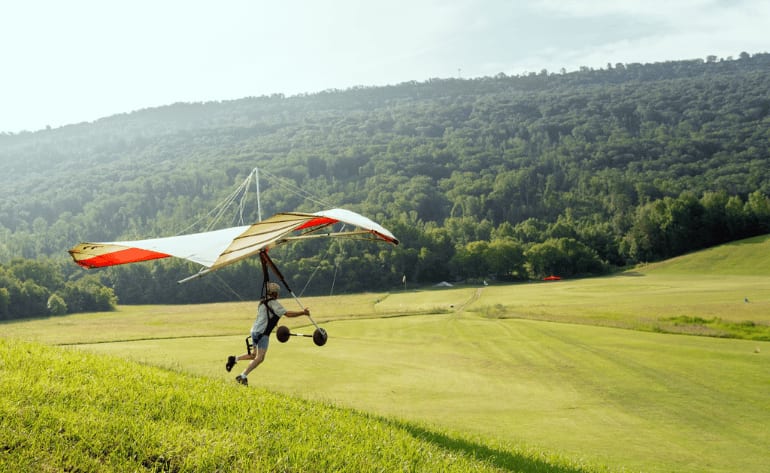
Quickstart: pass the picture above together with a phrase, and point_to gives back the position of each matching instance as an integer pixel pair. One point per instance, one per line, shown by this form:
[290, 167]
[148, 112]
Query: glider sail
[219, 248]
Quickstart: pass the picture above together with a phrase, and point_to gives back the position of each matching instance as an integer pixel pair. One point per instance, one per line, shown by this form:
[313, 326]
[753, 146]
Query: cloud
[649, 31]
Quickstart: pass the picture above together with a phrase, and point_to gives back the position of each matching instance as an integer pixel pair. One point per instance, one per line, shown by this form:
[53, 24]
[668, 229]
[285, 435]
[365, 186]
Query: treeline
[505, 177]
[531, 249]
[34, 288]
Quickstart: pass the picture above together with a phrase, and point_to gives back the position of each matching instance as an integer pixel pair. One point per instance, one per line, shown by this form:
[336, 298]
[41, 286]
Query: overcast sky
[64, 62]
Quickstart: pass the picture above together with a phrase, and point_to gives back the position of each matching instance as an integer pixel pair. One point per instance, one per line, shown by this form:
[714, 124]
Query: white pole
[259, 205]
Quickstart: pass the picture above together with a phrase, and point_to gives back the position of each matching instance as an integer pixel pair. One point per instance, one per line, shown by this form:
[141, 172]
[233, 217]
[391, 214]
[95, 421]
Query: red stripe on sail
[317, 222]
[129, 255]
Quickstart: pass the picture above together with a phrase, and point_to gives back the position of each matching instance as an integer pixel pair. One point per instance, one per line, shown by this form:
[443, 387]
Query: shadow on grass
[510, 461]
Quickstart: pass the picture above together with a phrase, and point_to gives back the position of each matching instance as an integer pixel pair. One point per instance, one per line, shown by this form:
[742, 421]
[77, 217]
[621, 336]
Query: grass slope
[749, 257]
[721, 292]
[67, 410]
[583, 391]
[597, 395]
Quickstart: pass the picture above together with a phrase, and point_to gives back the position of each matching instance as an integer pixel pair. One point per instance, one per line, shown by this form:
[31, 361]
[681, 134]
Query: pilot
[269, 312]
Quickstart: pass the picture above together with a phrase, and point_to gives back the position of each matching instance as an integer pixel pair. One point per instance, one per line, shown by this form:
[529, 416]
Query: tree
[505, 259]
[435, 255]
[470, 261]
[5, 302]
[43, 271]
[88, 295]
[563, 257]
[757, 211]
[33, 299]
[56, 305]
[646, 240]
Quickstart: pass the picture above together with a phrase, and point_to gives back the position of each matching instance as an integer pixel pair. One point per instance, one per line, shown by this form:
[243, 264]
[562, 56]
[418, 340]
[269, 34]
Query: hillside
[83, 412]
[505, 177]
[749, 257]
[717, 292]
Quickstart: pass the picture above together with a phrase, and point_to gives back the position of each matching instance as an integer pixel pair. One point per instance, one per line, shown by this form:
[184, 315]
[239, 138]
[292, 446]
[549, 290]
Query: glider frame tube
[197, 275]
[267, 262]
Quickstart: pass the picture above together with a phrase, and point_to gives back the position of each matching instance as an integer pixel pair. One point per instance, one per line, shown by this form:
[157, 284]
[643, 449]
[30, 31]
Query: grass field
[80, 412]
[580, 374]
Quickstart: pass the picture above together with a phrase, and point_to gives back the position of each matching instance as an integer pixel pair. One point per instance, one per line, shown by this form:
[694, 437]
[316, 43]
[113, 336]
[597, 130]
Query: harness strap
[272, 319]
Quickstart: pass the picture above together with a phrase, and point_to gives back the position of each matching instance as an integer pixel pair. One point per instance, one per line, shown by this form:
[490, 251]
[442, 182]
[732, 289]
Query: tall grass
[68, 410]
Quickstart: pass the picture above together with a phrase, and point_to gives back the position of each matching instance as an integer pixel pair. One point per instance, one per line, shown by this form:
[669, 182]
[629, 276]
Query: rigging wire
[219, 210]
[242, 191]
[241, 194]
[318, 266]
[334, 278]
[291, 187]
[227, 286]
[242, 203]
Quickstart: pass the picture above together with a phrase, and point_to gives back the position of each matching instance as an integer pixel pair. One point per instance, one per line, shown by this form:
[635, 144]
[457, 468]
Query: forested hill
[506, 176]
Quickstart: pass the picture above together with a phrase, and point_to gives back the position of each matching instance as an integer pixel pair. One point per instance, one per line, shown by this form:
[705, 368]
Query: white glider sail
[219, 248]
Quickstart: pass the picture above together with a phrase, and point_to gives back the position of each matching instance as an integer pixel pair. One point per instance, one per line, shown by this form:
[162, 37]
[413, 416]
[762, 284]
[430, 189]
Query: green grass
[67, 410]
[720, 292]
[749, 257]
[596, 395]
[649, 302]
[524, 377]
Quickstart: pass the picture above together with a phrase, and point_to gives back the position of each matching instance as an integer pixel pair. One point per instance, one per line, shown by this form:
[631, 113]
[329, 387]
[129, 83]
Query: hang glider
[219, 248]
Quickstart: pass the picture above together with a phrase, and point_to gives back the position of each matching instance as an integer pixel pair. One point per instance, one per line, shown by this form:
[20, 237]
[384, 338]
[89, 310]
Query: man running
[268, 314]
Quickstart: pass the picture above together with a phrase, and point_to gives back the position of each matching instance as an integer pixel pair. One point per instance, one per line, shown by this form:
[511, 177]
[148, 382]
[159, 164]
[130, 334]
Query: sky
[66, 62]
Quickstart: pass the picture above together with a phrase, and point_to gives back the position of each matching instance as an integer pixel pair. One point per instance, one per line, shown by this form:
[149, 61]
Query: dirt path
[476, 296]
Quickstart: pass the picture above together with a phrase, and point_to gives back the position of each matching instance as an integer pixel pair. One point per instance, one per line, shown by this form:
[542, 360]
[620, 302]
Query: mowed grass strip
[219, 319]
[696, 305]
[623, 399]
[719, 292]
[68, 410]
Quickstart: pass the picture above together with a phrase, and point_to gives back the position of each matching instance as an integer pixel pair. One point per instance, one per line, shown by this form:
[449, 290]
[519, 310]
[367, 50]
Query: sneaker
[230, 363]
[242, 380]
